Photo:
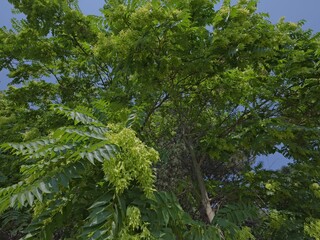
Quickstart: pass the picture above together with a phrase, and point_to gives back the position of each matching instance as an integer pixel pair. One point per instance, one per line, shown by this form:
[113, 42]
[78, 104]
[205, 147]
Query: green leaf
[22, 198]
[30, 198]
[165, 216]
[44, 187]
[90, 157]
[37, 193]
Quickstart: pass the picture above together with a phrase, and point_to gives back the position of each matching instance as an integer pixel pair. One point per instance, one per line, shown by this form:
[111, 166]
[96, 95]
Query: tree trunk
[205, 201]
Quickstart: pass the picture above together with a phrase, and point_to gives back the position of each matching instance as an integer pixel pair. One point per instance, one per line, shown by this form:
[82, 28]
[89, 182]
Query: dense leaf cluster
[145, 122]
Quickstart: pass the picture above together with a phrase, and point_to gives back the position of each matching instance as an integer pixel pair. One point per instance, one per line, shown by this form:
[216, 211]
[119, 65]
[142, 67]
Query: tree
[209, 89]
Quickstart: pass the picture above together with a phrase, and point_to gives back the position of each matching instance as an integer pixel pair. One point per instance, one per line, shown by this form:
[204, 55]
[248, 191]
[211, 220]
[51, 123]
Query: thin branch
[153, 109]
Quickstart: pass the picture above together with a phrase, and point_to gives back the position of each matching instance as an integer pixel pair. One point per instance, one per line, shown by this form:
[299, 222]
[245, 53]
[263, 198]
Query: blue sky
[292, 10]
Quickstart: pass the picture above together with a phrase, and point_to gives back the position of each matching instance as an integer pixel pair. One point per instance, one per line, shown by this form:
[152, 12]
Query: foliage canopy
[144, 122]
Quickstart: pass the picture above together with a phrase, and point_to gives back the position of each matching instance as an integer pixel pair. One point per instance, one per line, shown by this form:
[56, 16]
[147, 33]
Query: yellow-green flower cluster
[133, 162]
